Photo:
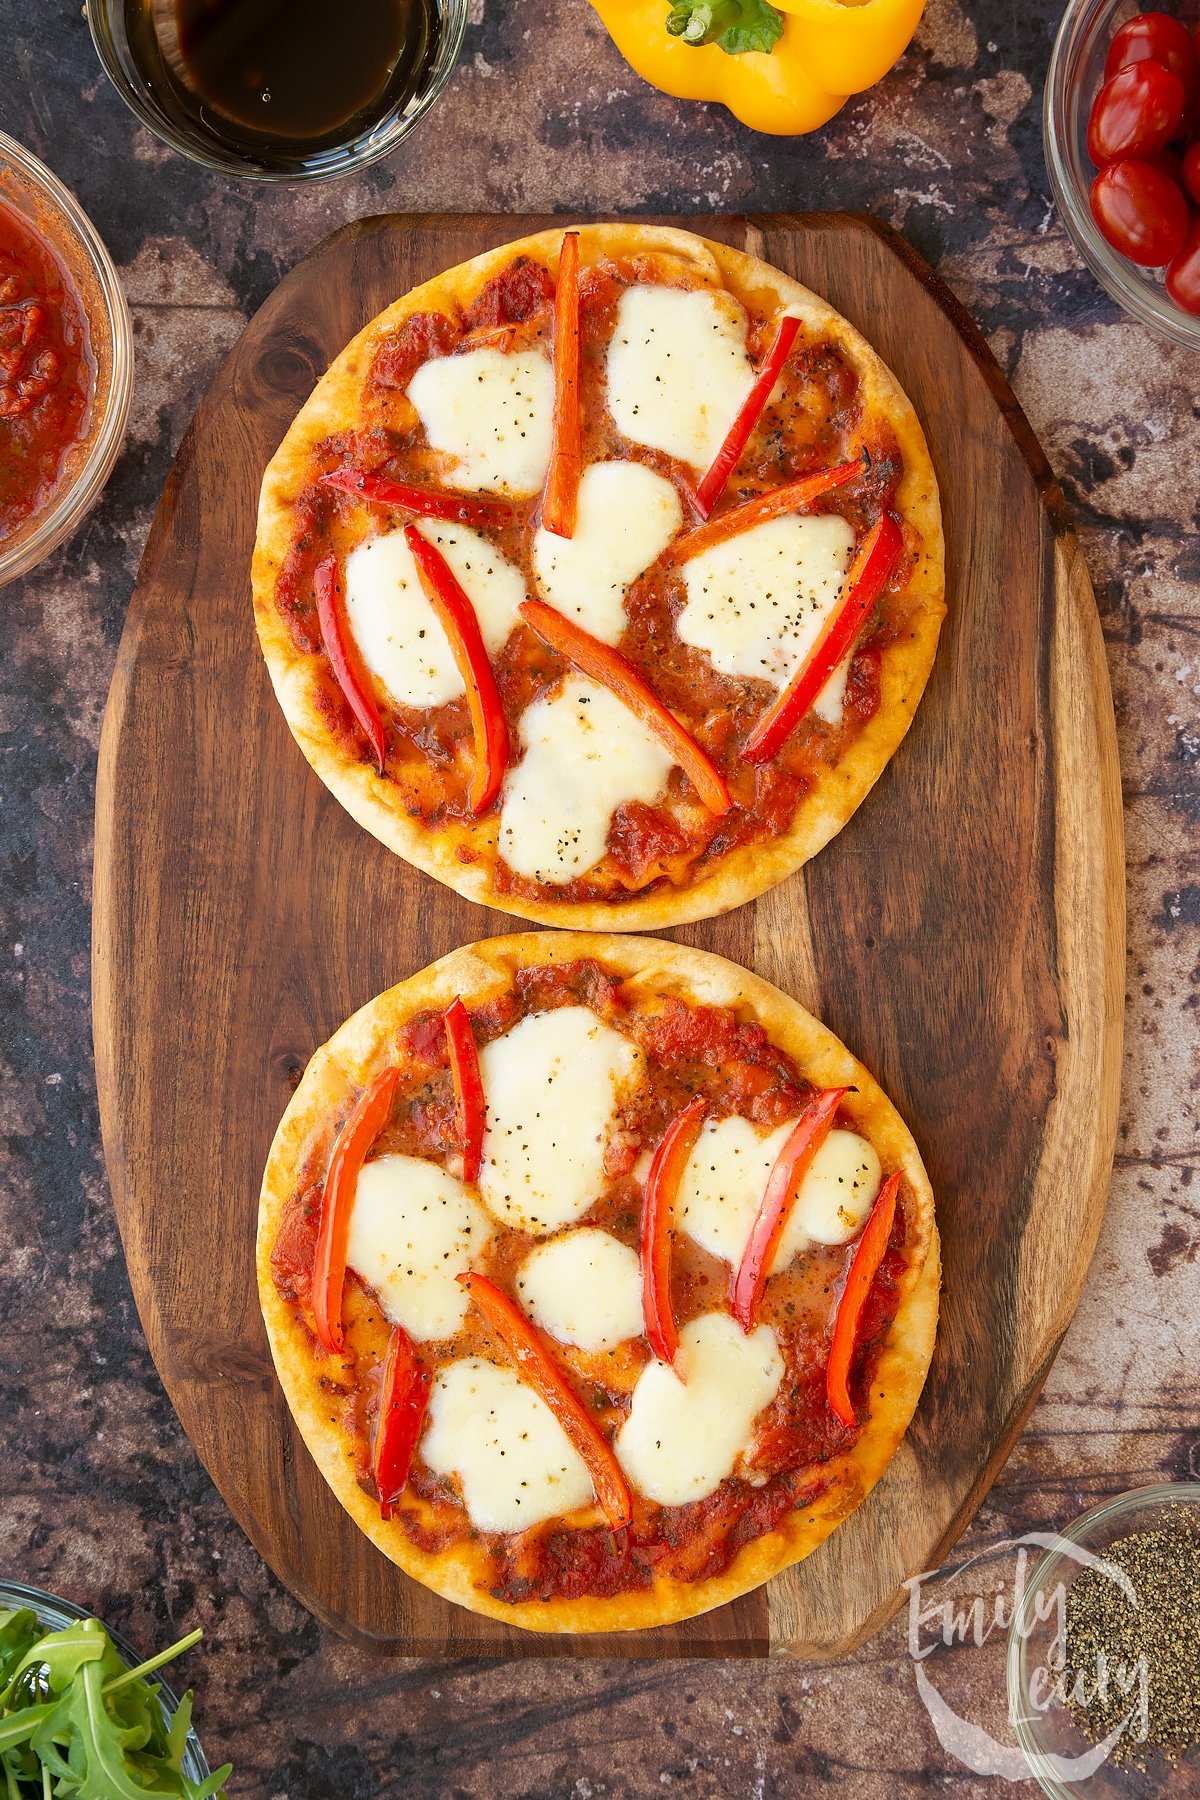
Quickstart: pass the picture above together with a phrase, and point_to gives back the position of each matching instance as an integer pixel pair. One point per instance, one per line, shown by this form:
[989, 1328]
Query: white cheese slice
[585, 754]
[491, 413]
[686, 1430]
[398, 634]
[627, 517]
[413, 1228]
[832, 697]
[678, 370]
[584, 1288]
[552, 1086]
[515, 1462]
[756, 603]
[839, 1190]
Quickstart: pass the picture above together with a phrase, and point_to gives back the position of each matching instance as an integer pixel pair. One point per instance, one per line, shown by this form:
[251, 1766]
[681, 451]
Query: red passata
[1136, 113]
[1183, 273]
[1140, 212]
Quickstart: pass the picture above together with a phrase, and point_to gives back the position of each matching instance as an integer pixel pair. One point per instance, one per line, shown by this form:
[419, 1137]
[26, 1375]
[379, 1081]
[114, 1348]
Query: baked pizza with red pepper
[600, 1278]
[600, 576]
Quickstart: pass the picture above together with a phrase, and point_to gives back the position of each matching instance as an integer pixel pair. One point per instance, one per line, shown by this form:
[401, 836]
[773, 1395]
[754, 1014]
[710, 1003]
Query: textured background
[102, 1497]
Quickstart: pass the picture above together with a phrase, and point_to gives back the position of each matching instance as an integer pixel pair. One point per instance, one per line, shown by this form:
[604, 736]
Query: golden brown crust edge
[837, 793]
[358, 1050]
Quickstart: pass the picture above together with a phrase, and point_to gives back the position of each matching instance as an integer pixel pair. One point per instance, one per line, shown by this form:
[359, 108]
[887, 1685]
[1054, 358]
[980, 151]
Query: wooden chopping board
[964, 935]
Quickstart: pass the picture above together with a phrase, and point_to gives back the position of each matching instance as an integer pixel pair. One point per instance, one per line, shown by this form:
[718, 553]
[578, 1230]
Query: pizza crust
[836, 793]
[477, 973]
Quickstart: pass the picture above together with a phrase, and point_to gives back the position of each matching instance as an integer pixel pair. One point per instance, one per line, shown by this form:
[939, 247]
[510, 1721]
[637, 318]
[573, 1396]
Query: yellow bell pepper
[784, 68]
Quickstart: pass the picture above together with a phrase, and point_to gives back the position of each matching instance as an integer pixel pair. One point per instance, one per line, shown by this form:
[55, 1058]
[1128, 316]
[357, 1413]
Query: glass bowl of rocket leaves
[82, 1716]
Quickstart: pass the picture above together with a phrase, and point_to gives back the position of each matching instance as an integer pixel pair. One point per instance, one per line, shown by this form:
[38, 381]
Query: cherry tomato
[1183, 272]
[1191, 171]
[1170, 162]
[1153, 37]
[1140, 212]
[1136, 113]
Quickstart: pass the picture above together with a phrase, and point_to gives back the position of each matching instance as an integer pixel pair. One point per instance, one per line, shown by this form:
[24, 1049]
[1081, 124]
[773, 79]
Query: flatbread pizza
[600, 1278]
[600, 576]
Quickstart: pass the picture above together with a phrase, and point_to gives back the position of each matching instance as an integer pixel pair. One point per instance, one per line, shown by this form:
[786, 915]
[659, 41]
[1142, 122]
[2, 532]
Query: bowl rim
[76, 496]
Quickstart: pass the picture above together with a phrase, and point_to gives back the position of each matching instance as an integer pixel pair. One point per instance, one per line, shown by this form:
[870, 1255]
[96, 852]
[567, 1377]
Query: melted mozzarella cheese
[584, 1288]
[585, 754]
[627, 517]
[491, 413]
[398, 634]
[413, 1228]
[513, 1458]
[839, 1190]
[685, 1431]
[678, 370]
[552, 1086]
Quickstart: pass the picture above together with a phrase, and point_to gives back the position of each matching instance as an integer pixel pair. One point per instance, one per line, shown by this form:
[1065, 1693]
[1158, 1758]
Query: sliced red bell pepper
[453, 607]
[876, 558]
[343, 659]
[658, 1214]
[794, 496]
[618, 675]
[459, 509]
[468, 1087]
[868, 1254]
[775, 1209]
[524, 1343]
[368, 1119]
[712, 484]
[560, 501]
[403, 1398]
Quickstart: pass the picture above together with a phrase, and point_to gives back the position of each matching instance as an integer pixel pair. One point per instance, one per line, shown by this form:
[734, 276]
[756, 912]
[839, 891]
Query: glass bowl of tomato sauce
[1074, 78]
[66, 362]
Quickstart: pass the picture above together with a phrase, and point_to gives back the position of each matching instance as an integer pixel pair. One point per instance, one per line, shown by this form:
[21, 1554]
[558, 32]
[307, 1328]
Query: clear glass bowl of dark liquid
[279, 90]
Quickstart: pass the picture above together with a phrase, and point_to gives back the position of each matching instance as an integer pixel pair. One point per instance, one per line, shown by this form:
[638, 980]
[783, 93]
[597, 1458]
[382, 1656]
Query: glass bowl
[1074, 77]
[54, 1613]
[201, 139]
[30, 190]
[1053, 1744]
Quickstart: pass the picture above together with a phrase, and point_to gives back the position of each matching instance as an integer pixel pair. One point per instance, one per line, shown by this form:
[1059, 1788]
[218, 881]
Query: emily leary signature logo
[1048, 1679]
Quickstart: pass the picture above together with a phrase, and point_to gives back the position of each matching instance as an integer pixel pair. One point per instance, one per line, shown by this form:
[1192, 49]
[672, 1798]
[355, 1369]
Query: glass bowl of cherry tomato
[1122, 134]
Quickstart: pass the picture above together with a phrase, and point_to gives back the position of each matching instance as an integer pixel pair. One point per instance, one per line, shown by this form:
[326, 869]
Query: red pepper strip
[868, 1255]
[712, 485]
[613, 671]
[340, 651]
[403, 1397]
[457, 616]
[864, 581]
[525, 1345]
[794, 497]
[377, 490]
[775, 1209]
[368, 1119]
[561, 498]
[468, 1088]
[658, 1211]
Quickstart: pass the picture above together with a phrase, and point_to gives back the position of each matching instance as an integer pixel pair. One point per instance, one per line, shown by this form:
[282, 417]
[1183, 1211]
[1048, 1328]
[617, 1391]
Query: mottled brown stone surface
[102, 1498]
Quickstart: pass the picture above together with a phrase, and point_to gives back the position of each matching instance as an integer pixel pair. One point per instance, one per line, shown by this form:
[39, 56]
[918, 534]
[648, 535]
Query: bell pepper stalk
[560, 502]
[457, 617]
[792, 1164]
[527, 1348]
[458, 509]
[354, 1140]
[868, 1254]
[712, 484]
[736, 25]
[468, 1087]
[339, 648]
[403, 1399]
[658, 1212]
[618, 675]
[874, 562]
[793, 496]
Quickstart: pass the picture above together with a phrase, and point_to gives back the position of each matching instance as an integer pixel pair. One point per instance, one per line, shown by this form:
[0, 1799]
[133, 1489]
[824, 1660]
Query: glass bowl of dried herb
[1104, 1651]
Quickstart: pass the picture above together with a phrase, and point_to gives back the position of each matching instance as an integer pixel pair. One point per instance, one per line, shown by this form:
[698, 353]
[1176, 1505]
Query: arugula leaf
[759, 28]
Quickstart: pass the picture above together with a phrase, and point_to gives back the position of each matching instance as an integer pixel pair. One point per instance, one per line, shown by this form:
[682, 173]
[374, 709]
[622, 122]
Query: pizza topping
[678, 370]
[627, 515]
[867, 1257]
[566, 458]
[350, 1149]
[468, 1087]
[793, 496]
[377, 490]
[792, 1164]
[340, 650]
[584, 1288]
[553, 1084]
[712, 484]
[403, 1398]
[688, 1425]
[658, 1225]
[490, 414]
[413, 1230]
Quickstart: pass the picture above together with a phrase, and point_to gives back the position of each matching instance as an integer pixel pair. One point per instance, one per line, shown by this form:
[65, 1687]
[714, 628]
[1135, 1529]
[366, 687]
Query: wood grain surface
[964, 935]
